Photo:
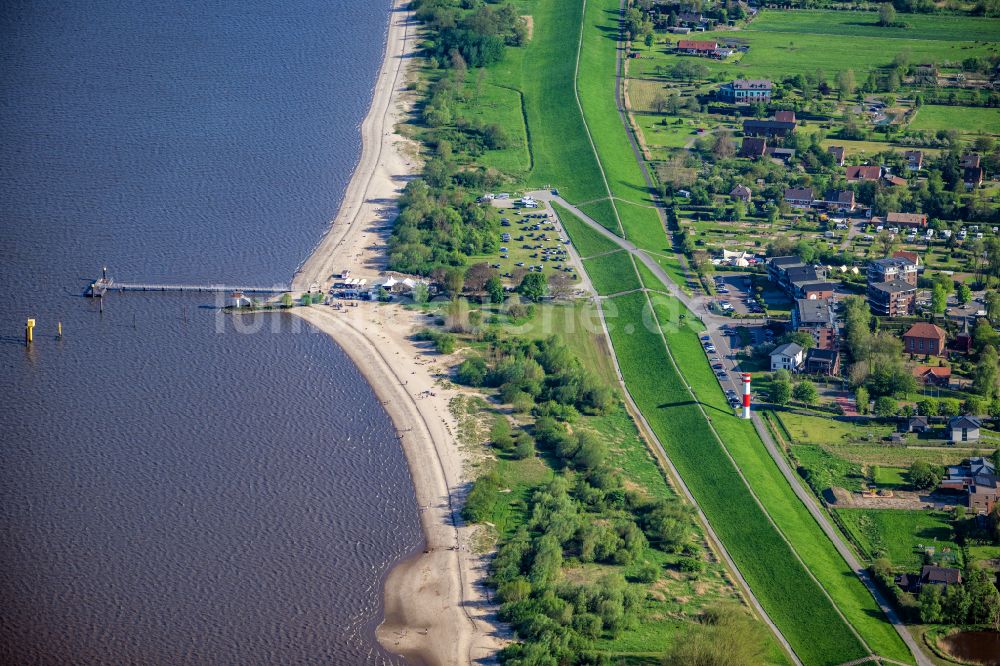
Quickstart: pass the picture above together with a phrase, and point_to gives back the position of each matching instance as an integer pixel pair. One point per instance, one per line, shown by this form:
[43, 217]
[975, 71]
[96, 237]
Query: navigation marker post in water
[29, 332]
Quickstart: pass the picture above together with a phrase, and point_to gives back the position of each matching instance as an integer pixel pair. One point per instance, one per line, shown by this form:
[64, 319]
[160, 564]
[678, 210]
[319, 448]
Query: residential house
[783, 154]
[964, 429]
[915, 220]
[976, 477]
[860, 174]
[917, 424]
[745, 91]
[895, 181]
[823, 362]
[799, 277]
[838, 154]
[799, 197]
[924, 338]
[753, 147]
[768, 128]
[972, 177]
[691, 19]
[933, 375]
[970, 161]
[893, 268]
[839, 200]
[817, 318]
[696, 47]
[911, 257]
[784, 116]
[895, 298]
[914, 159]
[787, 357]
[929, 575]
[741, 192]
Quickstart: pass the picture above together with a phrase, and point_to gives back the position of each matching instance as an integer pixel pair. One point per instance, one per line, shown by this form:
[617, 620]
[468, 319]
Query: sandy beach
[436, 609]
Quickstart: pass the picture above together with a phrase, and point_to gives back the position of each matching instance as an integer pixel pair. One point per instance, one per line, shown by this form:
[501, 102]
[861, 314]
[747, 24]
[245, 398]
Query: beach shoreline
[436, 608]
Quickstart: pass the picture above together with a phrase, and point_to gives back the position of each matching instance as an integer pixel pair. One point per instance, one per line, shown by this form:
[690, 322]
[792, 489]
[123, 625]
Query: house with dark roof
[915, 220]
[745, 91]
[823, 362]
[813, 290]
[777, 266]
[965, 429]
[929, 575]
[972, 177]
[839, 200]
[741, 192]
[925, 339]
[895, 298]
[914, 159]
[799, 197]
[753, 147]
[976, 477]
[817, 318]
[787, 357]
[838, 154]
[892, 268]
[768, 128]
[860, 174]
[783, 154]
[970, 161]
[917, 424]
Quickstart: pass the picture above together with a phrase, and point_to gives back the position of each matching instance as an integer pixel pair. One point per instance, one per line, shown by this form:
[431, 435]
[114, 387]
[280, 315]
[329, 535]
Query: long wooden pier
[104, 284]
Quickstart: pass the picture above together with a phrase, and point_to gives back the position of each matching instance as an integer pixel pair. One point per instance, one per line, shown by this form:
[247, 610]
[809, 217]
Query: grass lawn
[643, 227]
[785, 43]
[489, 103]
[899, 534]
[823, 429]
[578, 324]
[969, 120]
[603, 212]
[586, 241]
[893, 478]
[612, 273]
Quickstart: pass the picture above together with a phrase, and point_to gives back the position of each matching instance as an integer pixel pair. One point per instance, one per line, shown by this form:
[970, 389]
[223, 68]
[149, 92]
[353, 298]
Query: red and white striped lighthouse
[746, 395]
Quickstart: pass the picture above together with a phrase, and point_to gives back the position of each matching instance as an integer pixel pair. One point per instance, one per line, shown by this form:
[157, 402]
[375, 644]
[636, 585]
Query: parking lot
[736, 290]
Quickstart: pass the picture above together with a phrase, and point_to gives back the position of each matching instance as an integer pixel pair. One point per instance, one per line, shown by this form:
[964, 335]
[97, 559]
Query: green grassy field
[969, 120]
[806, 617]
[892, 478]
[578, 324]
[490, 104]
[612, 273]
[899, 534]
[784, 43]
[586, 241]
[770, 486]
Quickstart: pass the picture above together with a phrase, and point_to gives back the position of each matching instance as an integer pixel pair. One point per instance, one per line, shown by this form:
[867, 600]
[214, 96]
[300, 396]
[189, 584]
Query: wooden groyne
[98, 288]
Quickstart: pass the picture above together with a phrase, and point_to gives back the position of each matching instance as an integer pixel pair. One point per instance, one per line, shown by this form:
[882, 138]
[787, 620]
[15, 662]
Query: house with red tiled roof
[924, 338]
[696, 46]
[753, 147]
[858, 174]
[911, 257]
[918, 220]
[933, 375]
[784, 116]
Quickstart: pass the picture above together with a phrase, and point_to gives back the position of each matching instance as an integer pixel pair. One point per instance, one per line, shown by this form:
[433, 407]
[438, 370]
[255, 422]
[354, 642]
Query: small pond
[977, 647]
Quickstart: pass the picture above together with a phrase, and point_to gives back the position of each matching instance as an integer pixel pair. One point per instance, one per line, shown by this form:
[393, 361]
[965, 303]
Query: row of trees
[479, 35]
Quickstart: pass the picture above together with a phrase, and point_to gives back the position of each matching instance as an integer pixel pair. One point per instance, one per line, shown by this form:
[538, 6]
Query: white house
[787, 357]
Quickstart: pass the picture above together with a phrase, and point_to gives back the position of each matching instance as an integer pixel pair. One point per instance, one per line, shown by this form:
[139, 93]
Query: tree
[846, 82]
[420, 292]
[500, 434]
[984, 599]
[983, 335]
[476, 277]
[659, 103]
[805, 392]
[286, 300]
[454, 281]
[533, 287]
[494, 287]
[986, 374]
[885, 241]
[886, 406]
[964, 293]
[560, 285]
[781, 392]
[924, 476]
[723, 146]
[939, 299]
[861, 399]
[992, 299]
[726, 636]
[930, 604]
[886, 15]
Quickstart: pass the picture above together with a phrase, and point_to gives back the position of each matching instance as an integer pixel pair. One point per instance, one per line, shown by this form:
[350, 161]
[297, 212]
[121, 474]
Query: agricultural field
[969, 120]
[786, 43]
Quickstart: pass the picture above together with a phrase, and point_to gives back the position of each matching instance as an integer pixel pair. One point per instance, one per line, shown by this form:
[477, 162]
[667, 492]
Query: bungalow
[783, 154]
[745, 91]
[925, 339]
[787, 357]
[753, 147]
[859, 174]
[741, 192]
[933, 375]
[977, 478]
[929, 575]
[696, 47]
[895, 181]
[914, 159]
[799, 197]
[768, 128]
[963, 429]
[839, 200]
[838, 154]
[823, 362]
[917, 424]
[916, 220]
